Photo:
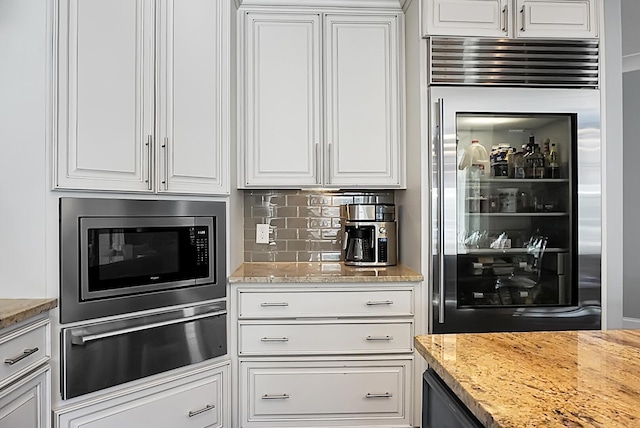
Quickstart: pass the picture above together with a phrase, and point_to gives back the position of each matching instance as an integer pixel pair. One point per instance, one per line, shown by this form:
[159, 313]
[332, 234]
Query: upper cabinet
[511, 18]
[321, 99]
[143, 96]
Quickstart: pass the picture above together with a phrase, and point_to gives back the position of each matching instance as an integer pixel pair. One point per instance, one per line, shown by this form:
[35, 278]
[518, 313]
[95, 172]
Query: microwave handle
[81, 337]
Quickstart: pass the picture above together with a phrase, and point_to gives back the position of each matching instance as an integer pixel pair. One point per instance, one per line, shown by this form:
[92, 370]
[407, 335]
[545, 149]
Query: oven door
[132, 255]
[101, 355]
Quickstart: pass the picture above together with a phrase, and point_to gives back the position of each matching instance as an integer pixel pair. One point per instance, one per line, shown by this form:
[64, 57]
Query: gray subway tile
[330, 211]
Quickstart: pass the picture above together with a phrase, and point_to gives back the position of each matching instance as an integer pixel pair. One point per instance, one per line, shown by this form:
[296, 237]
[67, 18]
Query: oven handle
[81, 337]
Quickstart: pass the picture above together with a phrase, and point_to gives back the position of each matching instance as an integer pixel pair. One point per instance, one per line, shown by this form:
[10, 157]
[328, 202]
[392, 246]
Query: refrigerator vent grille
[513, 62]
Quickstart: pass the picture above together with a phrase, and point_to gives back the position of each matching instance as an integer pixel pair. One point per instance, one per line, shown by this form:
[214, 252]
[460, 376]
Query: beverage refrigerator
[516, 233]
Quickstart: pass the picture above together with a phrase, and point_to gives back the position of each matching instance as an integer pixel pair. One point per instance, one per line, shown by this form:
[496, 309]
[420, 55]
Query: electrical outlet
[262, 233]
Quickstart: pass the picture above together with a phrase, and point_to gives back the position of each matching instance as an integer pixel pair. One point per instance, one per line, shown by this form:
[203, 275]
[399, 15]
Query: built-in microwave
[120, 256]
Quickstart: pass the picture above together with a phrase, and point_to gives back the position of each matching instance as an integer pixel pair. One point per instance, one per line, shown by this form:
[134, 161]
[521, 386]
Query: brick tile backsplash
[304, 225]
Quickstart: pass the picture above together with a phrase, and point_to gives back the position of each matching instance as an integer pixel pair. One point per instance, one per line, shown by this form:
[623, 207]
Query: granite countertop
[13, 311]
[321, 272]
[542, 379]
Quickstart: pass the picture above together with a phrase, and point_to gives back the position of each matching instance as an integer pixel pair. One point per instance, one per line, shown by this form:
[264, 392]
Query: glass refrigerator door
[516, 203]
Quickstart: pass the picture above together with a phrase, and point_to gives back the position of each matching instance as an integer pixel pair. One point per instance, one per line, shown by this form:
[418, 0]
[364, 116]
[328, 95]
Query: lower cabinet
[441, 407]
[324, 355]
[325, 393]
[193, 399]
[25, 403]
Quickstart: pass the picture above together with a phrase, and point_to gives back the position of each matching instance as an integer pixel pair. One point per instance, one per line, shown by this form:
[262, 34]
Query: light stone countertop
[13, 311]
[281, 272]
[542, 379]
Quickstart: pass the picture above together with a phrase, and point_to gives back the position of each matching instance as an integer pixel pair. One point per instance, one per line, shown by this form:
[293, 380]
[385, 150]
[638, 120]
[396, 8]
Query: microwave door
[480, 281]
[128, 255]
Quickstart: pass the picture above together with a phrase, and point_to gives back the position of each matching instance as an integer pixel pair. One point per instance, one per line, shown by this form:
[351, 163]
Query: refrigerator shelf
[524, 214]
[506, 250]
[524, 180]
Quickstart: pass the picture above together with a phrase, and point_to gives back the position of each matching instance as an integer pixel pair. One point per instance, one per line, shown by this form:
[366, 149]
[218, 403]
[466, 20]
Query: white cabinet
[330, 355]
[194, 399]
[25, 376]
[511, 18]
[142, 95]
[26, 403]
[321, 99]
[344, 393]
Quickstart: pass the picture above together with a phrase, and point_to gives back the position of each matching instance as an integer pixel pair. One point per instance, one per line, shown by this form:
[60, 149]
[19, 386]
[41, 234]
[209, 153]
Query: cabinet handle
[505, 19]
[389, 338]
[383, 395]
[270, 304]
[330, 161]
[379, 302]
[275, 396]
[149, 158]
[522, 27]
[25, 354]
[275, 339]
[316, 168]
[204, 409]
[165, 146]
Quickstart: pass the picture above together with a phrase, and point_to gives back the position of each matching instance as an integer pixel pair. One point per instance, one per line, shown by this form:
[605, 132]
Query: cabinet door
[26, 403]
[281, 115]
[193, 96]
[362, 109]
[482, 18]
[556, 18]
[105, 94]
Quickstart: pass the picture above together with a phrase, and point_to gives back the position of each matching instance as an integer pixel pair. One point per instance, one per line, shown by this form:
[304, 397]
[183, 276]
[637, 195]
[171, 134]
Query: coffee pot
[369, 234]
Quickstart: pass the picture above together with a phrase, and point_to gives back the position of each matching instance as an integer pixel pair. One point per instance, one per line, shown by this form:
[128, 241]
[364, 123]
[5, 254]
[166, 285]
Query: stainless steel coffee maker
[369, 234]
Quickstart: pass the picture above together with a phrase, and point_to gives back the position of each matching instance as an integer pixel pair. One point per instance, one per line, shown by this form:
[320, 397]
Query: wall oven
[121, 256]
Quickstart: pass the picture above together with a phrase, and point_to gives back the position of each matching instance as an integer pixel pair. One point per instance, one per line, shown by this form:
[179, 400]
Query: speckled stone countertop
[13, 311]
[321, 272]
[543, 379]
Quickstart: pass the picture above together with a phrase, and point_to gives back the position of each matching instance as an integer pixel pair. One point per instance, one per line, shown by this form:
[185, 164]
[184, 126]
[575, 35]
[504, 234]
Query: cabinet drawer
[192, 401]
[23, 349]
[325, 303]
[348, 393]
[322, 337]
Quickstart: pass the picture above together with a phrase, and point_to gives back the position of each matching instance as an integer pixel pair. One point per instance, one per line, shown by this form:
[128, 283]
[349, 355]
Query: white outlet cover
[262, 233]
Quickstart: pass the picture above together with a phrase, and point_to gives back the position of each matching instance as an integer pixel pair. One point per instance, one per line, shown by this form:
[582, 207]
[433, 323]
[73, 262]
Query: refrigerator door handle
[440, 164]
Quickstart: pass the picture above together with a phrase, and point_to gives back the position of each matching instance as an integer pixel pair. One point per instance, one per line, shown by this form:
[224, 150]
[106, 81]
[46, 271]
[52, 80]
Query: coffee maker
[369, 234]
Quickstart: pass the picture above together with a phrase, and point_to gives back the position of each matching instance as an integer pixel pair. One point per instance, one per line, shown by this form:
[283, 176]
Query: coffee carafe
[369, 234]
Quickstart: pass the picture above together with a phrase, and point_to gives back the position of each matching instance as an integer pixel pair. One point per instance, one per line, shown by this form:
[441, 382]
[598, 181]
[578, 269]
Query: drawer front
[192, 405]
[318, 393]
[299, 337]
[298, 304]
[23, 349]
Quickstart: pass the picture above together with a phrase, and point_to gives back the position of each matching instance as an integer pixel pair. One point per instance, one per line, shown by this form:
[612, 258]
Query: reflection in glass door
[516, 206]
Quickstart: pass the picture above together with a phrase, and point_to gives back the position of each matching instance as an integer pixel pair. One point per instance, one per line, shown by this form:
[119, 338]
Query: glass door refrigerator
[515, 194]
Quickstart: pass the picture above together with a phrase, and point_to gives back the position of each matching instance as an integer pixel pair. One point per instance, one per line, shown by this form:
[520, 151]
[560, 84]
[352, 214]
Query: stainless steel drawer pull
[204, 409]
[275, 396]
[385, 395]
[379, 337]
[25, 354]
[275, 339]
[81, 336]
[269, 304]
[379, 302]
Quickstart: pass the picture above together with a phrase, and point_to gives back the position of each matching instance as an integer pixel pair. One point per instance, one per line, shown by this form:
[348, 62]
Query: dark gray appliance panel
[100, 355]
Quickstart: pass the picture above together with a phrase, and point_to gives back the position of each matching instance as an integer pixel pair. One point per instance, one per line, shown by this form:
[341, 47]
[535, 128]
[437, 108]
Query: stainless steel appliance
[99, 355]
[120, 256]
[516, 236]
[369, 234]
